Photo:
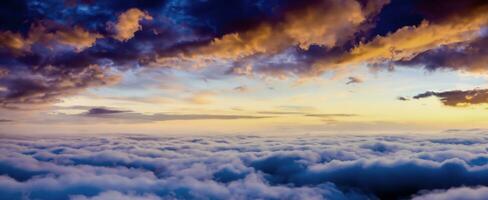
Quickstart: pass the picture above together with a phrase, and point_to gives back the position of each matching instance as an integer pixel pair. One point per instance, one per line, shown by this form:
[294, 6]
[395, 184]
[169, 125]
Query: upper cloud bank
[50, 50]
[245, 167]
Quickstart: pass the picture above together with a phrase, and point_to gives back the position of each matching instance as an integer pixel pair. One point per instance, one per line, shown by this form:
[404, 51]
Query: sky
[273, 67]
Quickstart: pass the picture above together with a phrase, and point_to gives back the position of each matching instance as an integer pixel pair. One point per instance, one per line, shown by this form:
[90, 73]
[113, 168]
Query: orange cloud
[77, 38]
[3, 72]
[408, 42]
[328, 24]
[128, 23]
[12, 41]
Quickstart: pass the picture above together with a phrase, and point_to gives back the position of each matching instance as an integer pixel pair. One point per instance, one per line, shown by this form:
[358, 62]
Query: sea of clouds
[449, 165]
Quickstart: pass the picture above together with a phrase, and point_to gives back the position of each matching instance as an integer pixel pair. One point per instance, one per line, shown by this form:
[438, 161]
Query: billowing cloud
[475, 193]
[327, 24]
[116, 195]
[51, 84]
[128, 23]
[45, 44]
[469, 56]
[458, 97]
[49, 35]
[245, 167]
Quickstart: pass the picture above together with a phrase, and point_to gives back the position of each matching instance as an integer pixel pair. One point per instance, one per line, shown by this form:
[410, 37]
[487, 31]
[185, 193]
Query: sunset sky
[226, 67]
[243, 99]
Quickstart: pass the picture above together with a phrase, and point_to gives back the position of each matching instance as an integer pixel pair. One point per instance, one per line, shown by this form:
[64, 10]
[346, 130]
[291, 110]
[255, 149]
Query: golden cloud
[328, 24]
[408, 42]
[77, 38]
[128, 23]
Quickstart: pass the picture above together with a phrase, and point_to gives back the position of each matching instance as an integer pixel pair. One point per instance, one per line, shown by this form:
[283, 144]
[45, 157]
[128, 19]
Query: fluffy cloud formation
[332, 22]
[245, 167]
[51, 83]
[458, 97]
[128, 23]
[328, 24]
[49, 35]
[48, 42]
[469, 56]
[476, 193]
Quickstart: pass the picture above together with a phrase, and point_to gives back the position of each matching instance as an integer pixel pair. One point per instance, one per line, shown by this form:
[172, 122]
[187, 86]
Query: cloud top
[245, 167]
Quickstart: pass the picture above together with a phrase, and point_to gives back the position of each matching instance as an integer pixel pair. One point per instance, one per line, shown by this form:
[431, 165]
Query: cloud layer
[50, 50]
[454, 166]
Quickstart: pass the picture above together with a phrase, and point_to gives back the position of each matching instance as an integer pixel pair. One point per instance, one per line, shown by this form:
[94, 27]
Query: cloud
[458, 98]
[242, 88]
[403, 98]
[101, 114]
[326, 117]
[103, 111]
[5, 120]
[116, 195]
[45, 44]
[475, 193]
[466, 56]
[409, 44]
[51, 84]
[3, 72]
[128, 23]
[333, 23]
[50, 35]
[244, 167]
[353, 80]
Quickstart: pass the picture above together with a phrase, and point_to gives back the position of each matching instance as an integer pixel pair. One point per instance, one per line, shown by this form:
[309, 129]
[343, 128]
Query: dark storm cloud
[470, 56]
[244, 167]
[54, 49]
[458, 97]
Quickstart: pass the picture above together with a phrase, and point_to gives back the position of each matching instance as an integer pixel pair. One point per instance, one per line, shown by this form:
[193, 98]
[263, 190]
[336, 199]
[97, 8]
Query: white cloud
[241, 167]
